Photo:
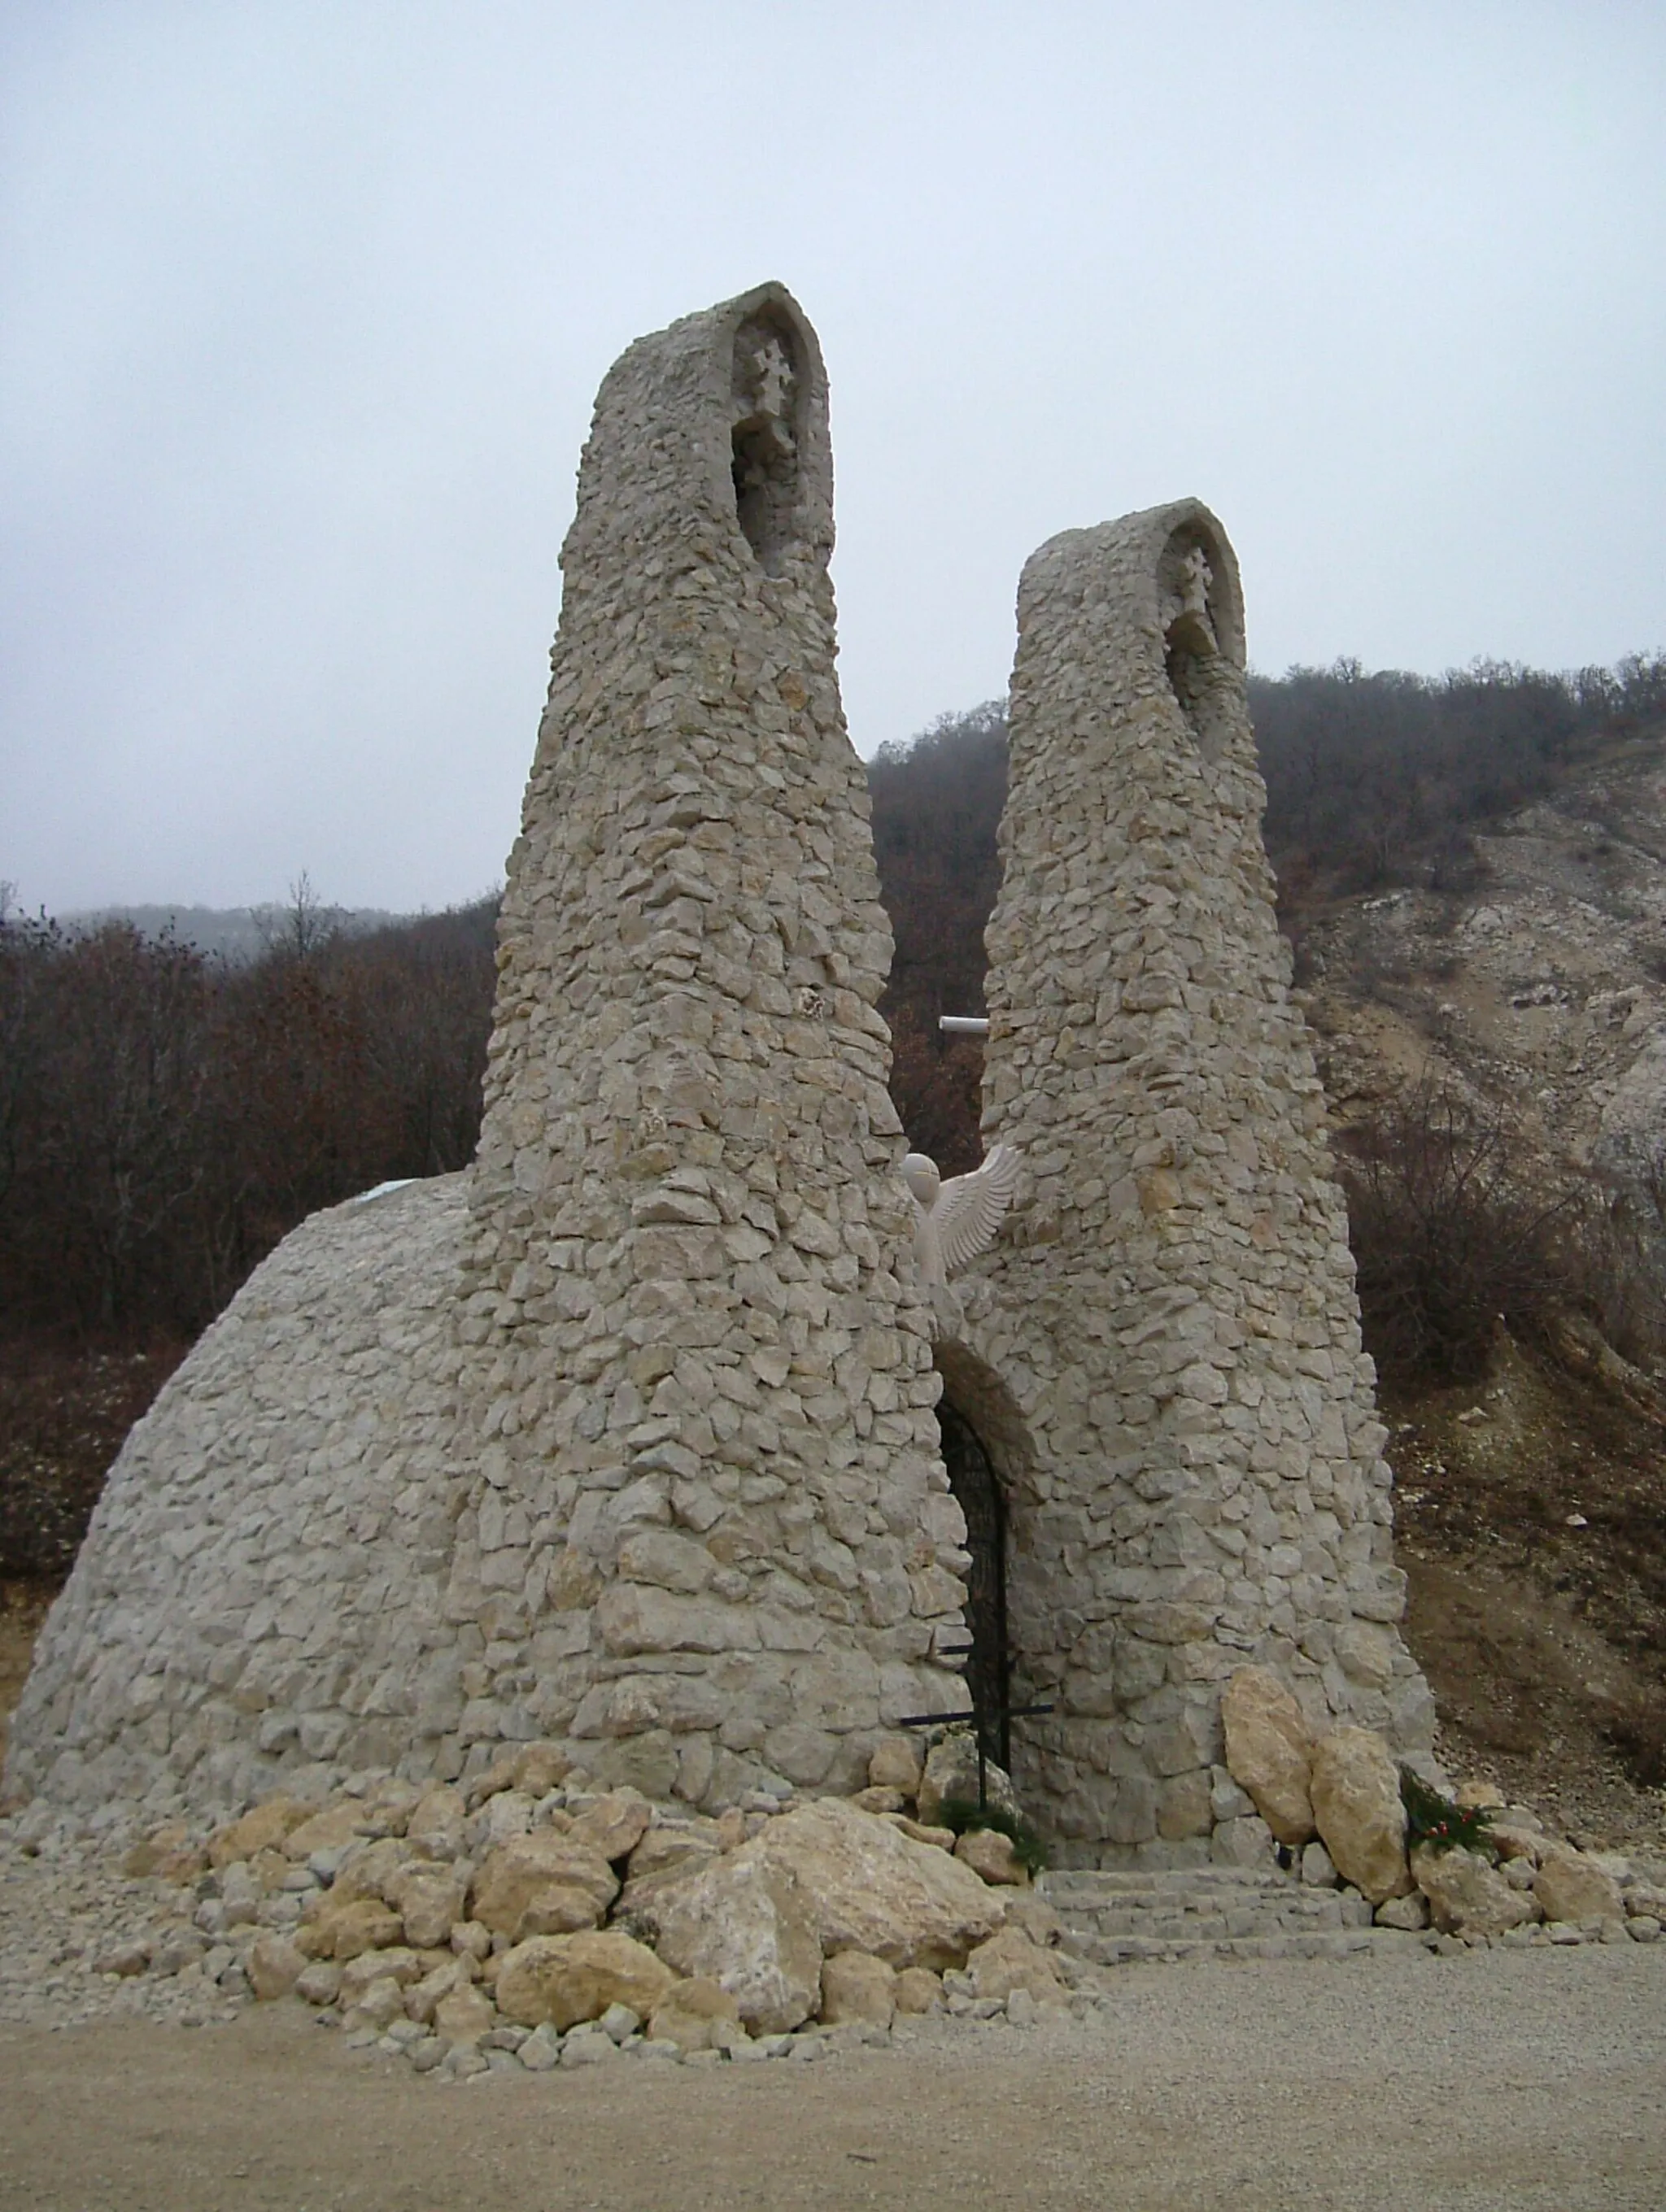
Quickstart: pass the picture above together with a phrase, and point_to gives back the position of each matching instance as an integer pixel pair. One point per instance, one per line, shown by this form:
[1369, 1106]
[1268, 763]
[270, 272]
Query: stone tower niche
[1163, 1351]
[711, 1541]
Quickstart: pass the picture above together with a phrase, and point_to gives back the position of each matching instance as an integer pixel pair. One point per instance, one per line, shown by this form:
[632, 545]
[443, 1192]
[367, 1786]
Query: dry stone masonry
[1162, 1355]
[712, 1535]
[621, 1454]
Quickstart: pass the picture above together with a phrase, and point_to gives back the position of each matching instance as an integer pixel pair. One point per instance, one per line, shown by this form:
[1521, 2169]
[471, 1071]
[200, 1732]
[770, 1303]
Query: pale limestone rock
[318, 1984]
[124, 1959]
[373, 1870]
[1246, 1841]
[614, 1826]
[344, 1931]
[557, 1909]
[1319, 1867]
[855, 1986]
[1032, 1916]
[869, 1888]
[665, 1856]
[990, 1855]
[951, 1772]
[873, 1799]
[1478, 1795]
[400, 1965]
[1269, 1751]
[1358, 1809]
[494, 1781]
[1009, 1961]
[267, 1824]
[540, 1767]
[462, 2018]
[1571, 1886]
[436, 1820]
[423, 1997]
[1513, 1841]
[517, 1871]
[505, 1816]
[749, 1928]
[918, 1990]
[331, 1829]
[1467, 1895]
[161, 1852]
[565, 1979]
[895, 1763]
[939, 1839]
[377, 2005]
[430, 1899]
[1408, 1913]
[695, 2015]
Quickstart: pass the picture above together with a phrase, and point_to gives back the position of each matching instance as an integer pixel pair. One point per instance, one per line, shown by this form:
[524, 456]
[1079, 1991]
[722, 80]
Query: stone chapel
[643, 1434]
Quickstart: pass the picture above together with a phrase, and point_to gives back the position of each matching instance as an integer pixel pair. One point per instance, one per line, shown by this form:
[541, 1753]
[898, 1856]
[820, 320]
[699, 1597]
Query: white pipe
[964, 1024]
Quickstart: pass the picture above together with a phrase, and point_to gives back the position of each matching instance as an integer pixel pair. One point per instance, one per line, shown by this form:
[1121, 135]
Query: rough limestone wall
[1187, 1424]
[259, 1591]
[712, 1542]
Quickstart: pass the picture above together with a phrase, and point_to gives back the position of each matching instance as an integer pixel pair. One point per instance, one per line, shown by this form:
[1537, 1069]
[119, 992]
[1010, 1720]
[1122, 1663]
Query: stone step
[1095, 1881]
[1204, 1911]
[1336, 1943]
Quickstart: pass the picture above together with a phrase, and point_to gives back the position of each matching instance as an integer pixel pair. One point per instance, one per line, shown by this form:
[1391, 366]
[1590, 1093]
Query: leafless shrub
[1448, 1237]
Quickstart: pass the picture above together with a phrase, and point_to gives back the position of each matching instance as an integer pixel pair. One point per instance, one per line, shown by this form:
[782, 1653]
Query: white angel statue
[954, 1221]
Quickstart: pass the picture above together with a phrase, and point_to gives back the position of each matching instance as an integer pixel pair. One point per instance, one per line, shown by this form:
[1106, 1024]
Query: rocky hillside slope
[1532, 1503]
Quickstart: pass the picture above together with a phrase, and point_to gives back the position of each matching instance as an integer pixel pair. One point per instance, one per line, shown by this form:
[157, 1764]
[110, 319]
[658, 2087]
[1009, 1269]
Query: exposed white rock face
[1163, 1353]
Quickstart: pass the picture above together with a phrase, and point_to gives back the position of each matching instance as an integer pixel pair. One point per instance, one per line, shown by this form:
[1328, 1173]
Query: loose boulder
[517, 1871]
[1571, 1886]
[697, 2014]
[951, 1775]
[1467, 1895]
[266, 1825]
[274, 1965]
[565, 1979]
[1011, 1961]
[342, 1932]
[990, 1855]
[1269, 1751]
[1358, 1809]
[868, 1888]
[614, 1825]
[430, 1899]
[855, 1986]
[750, 1928]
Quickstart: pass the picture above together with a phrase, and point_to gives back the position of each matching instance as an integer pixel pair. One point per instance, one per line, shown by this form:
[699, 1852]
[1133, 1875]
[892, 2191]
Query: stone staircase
[1206, 1912]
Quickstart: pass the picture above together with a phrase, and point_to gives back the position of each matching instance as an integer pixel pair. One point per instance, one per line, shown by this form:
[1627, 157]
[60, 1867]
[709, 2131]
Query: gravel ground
[1498, 2083]
[1496, 2079]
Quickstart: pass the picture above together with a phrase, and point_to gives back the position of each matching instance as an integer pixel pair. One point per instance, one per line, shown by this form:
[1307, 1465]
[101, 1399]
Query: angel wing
[968, 1208]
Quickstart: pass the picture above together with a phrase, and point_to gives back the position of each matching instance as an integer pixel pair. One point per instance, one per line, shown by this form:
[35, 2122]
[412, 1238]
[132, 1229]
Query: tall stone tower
[712, 1507]
[625, 1437]
[1163, 1356]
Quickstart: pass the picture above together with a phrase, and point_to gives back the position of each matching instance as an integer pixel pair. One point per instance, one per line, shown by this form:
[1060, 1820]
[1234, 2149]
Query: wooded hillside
[165, 1118]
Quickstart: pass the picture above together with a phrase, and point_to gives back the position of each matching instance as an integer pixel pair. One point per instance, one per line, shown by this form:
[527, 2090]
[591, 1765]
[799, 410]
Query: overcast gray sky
[303, 308]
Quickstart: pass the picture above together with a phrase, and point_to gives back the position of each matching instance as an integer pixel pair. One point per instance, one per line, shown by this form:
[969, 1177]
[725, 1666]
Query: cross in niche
[983, 1723]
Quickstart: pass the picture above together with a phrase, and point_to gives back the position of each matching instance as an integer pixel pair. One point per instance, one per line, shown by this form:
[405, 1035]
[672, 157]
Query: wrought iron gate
[975, 1488]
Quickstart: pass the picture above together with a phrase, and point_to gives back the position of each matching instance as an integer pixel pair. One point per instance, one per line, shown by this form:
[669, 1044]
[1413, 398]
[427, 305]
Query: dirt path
[1503, 2082]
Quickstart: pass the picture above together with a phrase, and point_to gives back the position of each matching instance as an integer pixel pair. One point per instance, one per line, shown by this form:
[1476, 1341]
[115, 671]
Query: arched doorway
[977, 1490]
